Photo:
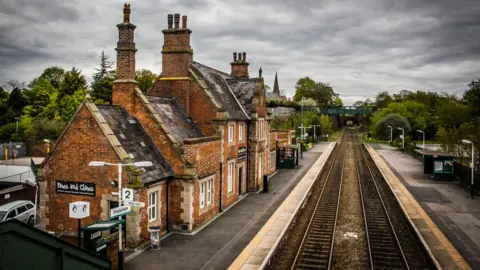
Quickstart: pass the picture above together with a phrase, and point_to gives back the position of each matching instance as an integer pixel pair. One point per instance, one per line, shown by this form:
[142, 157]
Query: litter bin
[155, 238]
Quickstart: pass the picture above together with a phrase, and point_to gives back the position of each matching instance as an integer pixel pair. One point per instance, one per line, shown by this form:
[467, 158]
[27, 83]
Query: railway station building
[205, 131]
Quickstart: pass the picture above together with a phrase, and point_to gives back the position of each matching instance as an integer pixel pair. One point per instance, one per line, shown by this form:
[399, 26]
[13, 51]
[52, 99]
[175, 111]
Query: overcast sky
[360, 47]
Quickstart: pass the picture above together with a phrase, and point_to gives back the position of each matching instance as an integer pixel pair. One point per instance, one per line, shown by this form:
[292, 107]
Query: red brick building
[206, 132]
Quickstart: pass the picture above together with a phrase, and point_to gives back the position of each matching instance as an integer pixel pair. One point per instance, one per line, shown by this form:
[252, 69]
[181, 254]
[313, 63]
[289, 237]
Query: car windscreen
[2, 215]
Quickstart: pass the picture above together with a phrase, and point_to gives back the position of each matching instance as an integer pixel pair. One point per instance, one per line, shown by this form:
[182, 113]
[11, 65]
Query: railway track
[317, 244]
[384, 247]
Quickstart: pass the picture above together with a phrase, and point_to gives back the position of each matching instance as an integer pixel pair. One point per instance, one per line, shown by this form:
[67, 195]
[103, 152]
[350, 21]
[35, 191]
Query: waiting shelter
[287, 156]
[439, 164]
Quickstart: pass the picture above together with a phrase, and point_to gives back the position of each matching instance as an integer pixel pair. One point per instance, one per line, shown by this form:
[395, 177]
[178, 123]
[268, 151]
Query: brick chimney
[124, 85]
[176, 52]
[240, 65]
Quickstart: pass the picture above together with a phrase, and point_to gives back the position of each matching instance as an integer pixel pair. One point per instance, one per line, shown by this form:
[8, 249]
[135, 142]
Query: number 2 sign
[127, 194]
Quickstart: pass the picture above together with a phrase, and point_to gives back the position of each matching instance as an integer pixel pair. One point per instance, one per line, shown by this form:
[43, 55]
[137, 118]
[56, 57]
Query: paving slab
[218, 244]
[447, 208]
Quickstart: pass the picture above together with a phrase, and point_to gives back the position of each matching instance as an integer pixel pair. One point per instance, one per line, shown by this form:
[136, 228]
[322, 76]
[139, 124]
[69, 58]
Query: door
[12, 214]
[22, 213]
[240, 179]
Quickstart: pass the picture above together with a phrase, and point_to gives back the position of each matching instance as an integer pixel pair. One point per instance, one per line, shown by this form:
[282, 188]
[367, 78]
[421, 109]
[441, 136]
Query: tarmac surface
[219, 243]
[446, 203]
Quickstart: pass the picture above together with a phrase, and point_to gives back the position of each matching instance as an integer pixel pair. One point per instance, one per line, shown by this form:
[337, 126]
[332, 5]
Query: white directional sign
[119, 211]
[79, 209]
[134, 203]
[127, 194]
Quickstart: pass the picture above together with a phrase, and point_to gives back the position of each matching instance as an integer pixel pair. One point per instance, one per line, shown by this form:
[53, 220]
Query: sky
[359, 47]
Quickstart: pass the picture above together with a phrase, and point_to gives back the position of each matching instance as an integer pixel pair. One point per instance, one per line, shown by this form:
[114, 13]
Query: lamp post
[423, 145]
[120, 166]
[403, 137]
[391, 133]
[32, 183]
[16, 119]
[472, 166]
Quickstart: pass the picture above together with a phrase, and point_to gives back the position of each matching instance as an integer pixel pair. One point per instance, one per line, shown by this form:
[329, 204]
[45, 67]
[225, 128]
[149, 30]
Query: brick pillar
[124, 85]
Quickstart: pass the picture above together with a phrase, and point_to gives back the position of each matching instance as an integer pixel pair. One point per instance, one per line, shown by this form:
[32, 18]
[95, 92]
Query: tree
[146, 79]
[383, 99]
[472, 97]
[72, 82]
[103, 81]
[53, 74]
[358, 104]
[39, 97]
[268, 89]
[326, 124]
[337, 102]
[395, 121]
[42, 128]
[16, 101]
[321, 92]
[69, 104]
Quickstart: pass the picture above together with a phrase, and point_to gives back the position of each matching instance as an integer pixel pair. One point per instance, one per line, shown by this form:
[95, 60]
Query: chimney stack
[177, 20]
[184, 21]
[170, 21]
[126, 13]
[240, 65]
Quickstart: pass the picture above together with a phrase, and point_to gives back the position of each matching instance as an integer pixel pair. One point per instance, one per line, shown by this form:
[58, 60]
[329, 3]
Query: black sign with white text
[242, 152]
[77, 188]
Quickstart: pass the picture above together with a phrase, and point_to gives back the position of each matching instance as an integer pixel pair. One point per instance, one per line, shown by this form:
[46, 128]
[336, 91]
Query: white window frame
[202, 194]
[209, 191]
[240, 132]
[231, 132]
[152, 208]
[231, 172]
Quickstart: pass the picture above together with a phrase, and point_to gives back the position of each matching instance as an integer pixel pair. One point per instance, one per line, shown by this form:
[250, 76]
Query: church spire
[275, 85]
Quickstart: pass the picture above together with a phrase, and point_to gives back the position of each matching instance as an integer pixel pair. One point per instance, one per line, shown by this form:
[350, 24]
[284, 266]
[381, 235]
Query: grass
[334, 136]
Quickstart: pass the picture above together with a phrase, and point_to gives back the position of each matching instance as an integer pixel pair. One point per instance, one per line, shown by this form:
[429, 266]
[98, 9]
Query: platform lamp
[120, 166]
[423, 145]
[403, 137]
[472, 166]
[391, 133]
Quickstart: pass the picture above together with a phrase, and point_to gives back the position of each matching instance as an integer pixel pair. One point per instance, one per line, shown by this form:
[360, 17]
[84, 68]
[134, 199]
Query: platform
[260, 249]
[219, 244]
[441, 213]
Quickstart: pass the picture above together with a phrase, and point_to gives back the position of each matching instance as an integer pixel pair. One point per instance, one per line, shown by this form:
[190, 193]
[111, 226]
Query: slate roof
[175, 118]
[243, 90]
[136, 142]
[216, 81]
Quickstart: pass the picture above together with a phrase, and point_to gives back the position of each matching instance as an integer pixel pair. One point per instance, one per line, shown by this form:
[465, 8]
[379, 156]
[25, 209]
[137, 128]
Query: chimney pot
[126, 13]
[239, 56]
[234, 57]
[260, 72]
[244, 56]
[184, 21]
[177, 20]
[170, 21]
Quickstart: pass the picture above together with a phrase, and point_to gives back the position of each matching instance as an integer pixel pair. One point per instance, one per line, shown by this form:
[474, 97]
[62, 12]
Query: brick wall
[69, 161]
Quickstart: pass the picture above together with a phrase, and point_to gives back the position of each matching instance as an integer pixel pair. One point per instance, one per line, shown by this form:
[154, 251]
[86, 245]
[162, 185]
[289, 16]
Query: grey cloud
[361, 47]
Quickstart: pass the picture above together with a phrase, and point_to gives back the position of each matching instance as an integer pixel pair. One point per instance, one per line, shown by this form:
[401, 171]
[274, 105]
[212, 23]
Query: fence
[17, 149]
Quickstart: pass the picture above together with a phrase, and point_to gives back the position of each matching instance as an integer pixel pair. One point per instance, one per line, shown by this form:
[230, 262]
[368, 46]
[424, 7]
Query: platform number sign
[127, 194]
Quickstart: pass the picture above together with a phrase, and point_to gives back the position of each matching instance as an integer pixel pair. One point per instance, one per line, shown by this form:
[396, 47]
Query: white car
[23, 211]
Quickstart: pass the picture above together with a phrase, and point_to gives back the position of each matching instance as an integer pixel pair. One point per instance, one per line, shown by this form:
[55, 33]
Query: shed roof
[175, 118]
[433, 153]
[137, 144]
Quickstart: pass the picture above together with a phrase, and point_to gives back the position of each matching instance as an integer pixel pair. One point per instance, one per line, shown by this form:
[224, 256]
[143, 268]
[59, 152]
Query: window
[202, 194]
[152, 206]
[11, 214]
[230, 176]
[209, 191]
[231, 132]
[29, 205]
[240, 132]
[272, 159]
[21, 209]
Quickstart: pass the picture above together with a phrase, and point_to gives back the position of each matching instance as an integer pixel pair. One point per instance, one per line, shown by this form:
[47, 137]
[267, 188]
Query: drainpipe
[166, 207]
[247, 158]
[221, 176]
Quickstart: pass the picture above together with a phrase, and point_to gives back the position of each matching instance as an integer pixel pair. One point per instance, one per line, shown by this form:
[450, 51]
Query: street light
[423, 146]
[32, 183]
[120, 166]
[391, 133]
[403, 137]
[472, 193]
